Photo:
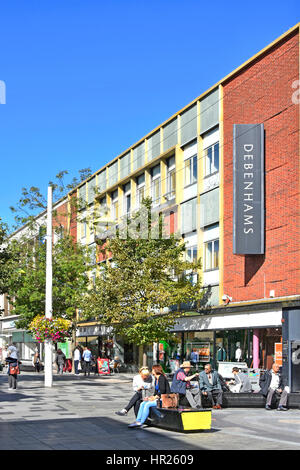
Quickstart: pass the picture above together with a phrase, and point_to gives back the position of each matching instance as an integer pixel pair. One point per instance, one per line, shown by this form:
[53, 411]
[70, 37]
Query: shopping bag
[169, 400]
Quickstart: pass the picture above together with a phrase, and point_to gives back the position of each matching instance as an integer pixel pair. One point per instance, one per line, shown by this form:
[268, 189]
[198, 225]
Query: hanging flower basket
[54, 329]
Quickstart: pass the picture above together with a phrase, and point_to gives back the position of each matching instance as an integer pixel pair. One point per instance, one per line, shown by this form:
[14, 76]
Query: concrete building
[232, 193]
[189, 166]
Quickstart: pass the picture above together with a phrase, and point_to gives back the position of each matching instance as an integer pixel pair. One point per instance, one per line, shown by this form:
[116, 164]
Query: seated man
[182, 384]
[143, 386]
[211, 387]
[240, 382]
[272, 383]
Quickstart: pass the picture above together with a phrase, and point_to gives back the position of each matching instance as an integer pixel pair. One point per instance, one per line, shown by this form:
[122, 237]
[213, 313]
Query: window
[114, 205]
[140, 189]
[83, 229]
[189, 216]
[191, 256]
[127, 199]
[211, 255]
[211, 159]
[190, 171]
[171, 178]
[155, 186]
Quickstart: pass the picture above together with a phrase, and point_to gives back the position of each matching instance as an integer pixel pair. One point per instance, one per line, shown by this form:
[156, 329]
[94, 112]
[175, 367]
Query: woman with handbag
[13, 371]
[161, 386]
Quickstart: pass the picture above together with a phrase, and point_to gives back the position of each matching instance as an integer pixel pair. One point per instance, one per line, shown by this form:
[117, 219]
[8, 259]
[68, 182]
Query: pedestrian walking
[13, 370]
[60, 361]
[12, 351]
[87, 358]
[37, 362]
[77, 359]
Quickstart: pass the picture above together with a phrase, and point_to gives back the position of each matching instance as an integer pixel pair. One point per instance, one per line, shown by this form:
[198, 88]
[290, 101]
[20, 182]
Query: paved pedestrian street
[77, 413]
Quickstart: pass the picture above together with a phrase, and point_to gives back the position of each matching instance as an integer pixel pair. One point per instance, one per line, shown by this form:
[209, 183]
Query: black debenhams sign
[248, 189]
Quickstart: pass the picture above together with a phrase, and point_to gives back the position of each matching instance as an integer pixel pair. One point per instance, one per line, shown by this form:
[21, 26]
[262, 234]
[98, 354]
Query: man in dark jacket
[211, 387]
[271, 383]
[182, 384]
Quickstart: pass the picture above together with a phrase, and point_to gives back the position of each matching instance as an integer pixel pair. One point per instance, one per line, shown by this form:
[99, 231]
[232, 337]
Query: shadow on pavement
[100, 433]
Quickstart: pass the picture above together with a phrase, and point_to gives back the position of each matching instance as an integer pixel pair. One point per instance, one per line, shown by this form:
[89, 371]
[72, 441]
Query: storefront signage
[278, 354]
[96, 330]
[248, 189]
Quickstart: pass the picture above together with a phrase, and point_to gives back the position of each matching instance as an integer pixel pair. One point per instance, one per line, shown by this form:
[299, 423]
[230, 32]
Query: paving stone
[79, 413]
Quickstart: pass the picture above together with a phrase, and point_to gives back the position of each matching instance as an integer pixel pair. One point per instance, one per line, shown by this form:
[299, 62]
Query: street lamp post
[48, 307]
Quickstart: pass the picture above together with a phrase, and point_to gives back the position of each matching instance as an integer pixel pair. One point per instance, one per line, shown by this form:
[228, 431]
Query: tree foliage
[27, 283]
[32, 201]
[145, 276]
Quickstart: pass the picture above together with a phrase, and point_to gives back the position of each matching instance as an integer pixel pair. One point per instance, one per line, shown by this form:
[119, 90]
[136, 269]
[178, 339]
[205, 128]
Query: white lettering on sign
[248, 190]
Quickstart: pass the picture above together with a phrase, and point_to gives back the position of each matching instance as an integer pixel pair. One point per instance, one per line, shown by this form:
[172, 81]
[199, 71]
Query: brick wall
[262, 93]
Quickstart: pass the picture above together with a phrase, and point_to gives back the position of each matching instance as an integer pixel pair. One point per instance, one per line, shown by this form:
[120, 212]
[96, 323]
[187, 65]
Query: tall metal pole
[48, 310]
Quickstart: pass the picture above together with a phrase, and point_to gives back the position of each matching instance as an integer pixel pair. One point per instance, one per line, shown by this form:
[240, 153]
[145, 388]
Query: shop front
[105, 345]
[24, 342]
[253, 340]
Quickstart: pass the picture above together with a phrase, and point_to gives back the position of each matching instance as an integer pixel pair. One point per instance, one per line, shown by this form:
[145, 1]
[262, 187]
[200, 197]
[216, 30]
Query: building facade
[186, 165]
[232, 193]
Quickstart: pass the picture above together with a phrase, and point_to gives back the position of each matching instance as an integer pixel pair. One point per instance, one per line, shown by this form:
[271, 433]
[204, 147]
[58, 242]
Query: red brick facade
[262, 93]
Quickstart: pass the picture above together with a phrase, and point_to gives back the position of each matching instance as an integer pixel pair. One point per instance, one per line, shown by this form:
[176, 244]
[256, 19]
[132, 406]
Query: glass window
[171, 183]
[140, 190]
[211, 255]
[156, 191]
[211, 159]
[190, 171]
[198, 347]
[189, 216]
[155, 186]
[114, 205]
[140, 195]
[191, 254]
[127, 204]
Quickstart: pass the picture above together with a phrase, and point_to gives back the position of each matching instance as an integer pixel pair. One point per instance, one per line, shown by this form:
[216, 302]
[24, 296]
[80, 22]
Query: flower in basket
[54, 329]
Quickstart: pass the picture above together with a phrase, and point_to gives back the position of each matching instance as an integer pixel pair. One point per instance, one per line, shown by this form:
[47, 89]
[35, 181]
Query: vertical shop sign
[278, 354]
[248, 189]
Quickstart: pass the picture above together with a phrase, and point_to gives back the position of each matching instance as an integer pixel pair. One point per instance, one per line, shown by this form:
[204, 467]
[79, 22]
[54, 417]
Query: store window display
[198, 348]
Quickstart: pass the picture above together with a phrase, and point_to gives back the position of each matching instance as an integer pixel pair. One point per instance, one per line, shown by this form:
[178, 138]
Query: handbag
[14, 370]
[169, 400]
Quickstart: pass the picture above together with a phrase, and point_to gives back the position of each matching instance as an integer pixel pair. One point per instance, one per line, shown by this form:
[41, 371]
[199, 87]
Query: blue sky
[85, 79]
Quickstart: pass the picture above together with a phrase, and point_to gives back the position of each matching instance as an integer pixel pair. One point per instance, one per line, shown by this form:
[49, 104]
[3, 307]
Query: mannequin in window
[221, 354]
[238, 353]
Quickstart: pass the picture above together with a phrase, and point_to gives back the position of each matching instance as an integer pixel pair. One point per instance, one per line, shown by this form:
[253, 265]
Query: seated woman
[143, 387]
[161, 386]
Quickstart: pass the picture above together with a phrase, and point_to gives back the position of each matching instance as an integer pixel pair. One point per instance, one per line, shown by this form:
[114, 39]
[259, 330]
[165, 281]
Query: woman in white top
[142, 385]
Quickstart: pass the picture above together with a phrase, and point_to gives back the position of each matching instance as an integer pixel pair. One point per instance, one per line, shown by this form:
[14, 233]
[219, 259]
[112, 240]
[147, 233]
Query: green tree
[32, 201]
[146, 275]
[27, 283]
